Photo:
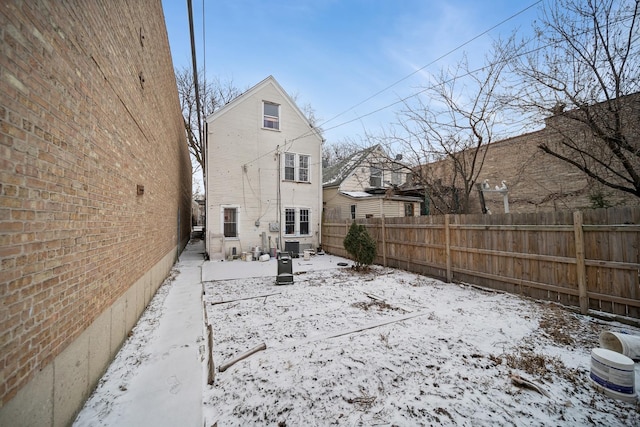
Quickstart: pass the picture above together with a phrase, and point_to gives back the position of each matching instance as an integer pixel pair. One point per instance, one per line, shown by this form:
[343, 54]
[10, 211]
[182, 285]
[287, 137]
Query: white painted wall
[246, 167]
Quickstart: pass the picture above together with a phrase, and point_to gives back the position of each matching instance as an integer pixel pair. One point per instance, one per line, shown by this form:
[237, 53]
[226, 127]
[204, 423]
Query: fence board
[536, 255]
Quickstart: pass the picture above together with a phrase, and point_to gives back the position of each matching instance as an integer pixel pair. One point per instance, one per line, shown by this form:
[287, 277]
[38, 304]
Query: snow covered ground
[382, 348]
[389, 347]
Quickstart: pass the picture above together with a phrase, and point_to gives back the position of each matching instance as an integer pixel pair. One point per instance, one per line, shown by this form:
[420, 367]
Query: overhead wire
[433, 61]
[321, 126]
[433, 86]
[315, 129]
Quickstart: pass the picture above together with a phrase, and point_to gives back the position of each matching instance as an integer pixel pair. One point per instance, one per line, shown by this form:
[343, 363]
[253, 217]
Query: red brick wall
[88, 111]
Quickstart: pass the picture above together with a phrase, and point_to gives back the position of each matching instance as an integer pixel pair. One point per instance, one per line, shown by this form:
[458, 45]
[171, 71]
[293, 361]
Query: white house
[263, 175]
[366, 186]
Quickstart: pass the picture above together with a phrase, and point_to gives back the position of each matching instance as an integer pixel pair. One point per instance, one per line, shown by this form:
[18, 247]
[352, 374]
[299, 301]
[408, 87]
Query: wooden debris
[226, 365]
[375, 297]
[524, 383]
[246, 298]
[211, 375]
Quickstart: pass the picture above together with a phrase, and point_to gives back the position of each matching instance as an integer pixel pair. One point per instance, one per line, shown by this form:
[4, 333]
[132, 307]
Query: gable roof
[334, 175]
[257, 88]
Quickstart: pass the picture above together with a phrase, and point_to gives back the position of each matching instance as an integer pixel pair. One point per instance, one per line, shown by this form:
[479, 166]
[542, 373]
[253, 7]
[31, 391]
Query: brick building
[95, 193]
[536, 181]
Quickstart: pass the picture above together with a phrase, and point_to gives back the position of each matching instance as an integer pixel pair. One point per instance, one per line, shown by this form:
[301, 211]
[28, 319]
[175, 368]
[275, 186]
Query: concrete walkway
[164, 388]
[170, 392]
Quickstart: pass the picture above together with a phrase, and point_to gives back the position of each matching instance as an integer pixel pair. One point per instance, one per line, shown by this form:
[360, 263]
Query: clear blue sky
[334, 54]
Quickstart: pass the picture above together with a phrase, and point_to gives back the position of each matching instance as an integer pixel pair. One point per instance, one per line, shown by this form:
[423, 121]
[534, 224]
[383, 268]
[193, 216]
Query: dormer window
[271, 114]
[375, 176]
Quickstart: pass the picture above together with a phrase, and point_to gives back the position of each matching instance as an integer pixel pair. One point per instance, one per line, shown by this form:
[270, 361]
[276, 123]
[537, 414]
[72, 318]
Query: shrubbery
[360, 246]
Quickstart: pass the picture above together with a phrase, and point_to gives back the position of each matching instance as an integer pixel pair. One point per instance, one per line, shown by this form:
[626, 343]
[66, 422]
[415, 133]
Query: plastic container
[626, 344]
[265, 257]
[613, 373]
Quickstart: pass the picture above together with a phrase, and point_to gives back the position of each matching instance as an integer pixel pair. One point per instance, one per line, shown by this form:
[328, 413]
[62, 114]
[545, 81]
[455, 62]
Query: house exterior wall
[246, 173]
[360, 179]
[538, 181]
[338, 206]
[81, 253]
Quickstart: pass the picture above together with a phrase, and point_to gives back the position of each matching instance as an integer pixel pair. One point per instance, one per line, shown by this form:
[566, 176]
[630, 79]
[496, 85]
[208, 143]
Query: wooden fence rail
[589, 259]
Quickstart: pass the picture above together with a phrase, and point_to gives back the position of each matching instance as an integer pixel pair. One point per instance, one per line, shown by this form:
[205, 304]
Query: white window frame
[396, 177]
[305, 169]
[286, 211]
[296, 215]
[237, 209]
[375, 172]
[297, 169]
[300, 210]
[268, 118]
[292, 167]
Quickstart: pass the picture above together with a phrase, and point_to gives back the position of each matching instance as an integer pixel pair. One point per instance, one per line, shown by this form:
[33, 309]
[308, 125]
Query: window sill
[271, 129]
[231, 238]
[292, 181]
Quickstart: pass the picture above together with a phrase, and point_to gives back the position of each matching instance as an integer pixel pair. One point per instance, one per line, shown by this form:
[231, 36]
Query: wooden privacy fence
[589, 259]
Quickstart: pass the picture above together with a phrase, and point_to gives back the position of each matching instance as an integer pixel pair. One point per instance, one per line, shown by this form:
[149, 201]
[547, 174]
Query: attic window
[375, 177]
[271, 114]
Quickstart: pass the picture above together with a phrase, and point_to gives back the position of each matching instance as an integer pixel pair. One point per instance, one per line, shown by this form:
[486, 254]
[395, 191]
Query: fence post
[580, 265]
[447, 245]
[384, 244]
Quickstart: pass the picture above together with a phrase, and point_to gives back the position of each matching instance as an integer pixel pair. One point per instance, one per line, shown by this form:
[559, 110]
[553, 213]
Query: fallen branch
[521, 382]
[242, 299]
[228, 364]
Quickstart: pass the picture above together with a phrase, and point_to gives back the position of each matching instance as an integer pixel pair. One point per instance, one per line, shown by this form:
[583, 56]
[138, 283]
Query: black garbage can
[285, 270]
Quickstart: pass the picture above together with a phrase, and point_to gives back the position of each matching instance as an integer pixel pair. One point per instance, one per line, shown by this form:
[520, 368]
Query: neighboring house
[536, 181]
[263, 175]
[365, 185]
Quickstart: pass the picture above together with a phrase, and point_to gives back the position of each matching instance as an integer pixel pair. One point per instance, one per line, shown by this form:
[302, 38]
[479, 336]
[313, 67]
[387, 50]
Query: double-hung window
[289, 166]
[396, 178]
[297, 221]
[375, 179]
[304, 221]
[271, 114]
[296, 167]
[303, 168]
[230, 222]
[289, 221]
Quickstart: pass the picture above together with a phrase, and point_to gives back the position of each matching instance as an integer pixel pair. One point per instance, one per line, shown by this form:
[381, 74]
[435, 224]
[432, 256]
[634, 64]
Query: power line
[433, 86]
[432, 62]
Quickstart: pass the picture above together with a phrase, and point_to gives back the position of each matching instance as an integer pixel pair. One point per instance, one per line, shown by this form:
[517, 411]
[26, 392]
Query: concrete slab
[225, 270]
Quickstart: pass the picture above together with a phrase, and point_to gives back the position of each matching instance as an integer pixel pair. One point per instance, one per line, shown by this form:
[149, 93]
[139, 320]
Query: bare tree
[447, 129]
[333, 153]
[214, 94]
[584, 71]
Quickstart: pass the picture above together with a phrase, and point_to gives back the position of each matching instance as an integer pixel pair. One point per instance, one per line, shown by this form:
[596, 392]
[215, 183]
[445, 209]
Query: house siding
[246, 166]
[339, 207]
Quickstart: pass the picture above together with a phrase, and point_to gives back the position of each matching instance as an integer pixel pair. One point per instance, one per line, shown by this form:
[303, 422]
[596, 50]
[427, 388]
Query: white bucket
[627, 344]
[307, 255]
[613, 373]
